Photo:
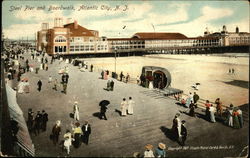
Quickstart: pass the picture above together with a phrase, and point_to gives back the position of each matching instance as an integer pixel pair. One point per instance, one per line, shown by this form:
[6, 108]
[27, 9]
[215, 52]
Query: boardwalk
[121, 136]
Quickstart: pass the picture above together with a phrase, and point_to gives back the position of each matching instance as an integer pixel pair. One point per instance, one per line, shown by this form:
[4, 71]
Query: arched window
[60, 39]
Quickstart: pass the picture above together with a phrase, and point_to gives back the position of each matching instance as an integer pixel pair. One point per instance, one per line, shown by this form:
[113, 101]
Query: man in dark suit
[183, 133]
[38, 121]
[44, 120]
[39, 83]
[86, 129]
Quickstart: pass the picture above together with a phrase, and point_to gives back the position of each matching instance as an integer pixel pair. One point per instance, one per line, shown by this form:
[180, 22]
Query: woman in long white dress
[212, 111]
[131, 104]
[124, 107]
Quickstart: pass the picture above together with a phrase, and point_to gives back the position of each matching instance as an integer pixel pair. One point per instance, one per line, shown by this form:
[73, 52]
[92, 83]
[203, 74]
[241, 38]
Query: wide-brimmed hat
[162, 146]
[76, 102]
[149, 146]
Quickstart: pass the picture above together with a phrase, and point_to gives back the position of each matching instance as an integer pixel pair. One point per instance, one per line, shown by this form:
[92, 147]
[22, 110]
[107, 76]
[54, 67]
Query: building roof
[159, 35]
[122, 39]
[80, 31]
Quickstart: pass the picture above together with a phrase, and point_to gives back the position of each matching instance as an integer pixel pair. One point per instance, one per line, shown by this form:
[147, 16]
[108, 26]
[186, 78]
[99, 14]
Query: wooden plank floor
[118, 136]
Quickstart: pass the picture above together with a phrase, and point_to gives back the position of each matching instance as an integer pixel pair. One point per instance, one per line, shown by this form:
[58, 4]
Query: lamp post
[115, 61]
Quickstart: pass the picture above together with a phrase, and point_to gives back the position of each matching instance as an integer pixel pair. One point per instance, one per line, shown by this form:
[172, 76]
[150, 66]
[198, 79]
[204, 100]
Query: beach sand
[211, 71]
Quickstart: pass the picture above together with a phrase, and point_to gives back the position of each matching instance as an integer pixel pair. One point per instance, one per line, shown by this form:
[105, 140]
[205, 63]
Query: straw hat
[149, 147]
[162, 146]
[76, 102]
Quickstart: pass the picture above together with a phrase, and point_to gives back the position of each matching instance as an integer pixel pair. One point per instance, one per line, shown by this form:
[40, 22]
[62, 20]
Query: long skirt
[240, 120]
[212, 118]
[124, 111]
[236, 123]
[77, 141]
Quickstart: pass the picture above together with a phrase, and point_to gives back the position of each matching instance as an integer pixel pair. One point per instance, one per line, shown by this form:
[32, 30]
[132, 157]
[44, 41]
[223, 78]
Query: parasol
[104, 103]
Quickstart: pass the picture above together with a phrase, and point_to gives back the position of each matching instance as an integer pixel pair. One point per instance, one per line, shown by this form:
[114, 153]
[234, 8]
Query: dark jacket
[88, 132]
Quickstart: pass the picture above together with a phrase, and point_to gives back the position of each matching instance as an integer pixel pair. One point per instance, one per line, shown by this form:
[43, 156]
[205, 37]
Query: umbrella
[104, 103]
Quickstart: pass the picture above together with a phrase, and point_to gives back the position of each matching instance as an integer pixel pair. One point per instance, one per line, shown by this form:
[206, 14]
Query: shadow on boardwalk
[168, 133]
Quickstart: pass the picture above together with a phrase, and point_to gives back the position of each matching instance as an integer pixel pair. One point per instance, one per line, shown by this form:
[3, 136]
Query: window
[60, 39]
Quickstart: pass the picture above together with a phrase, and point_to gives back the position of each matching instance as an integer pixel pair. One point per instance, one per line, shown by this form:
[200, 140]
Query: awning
[23, 138]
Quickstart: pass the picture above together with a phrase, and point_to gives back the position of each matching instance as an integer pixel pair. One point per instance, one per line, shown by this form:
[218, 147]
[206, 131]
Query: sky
[123, 18]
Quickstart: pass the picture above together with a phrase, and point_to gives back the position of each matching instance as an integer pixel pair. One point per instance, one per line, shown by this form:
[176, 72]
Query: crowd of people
[232, 116]
[38, 122]
[78, 133]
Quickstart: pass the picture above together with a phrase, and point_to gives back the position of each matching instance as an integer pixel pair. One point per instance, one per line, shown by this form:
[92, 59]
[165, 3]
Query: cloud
[18, 31]
[196, 27]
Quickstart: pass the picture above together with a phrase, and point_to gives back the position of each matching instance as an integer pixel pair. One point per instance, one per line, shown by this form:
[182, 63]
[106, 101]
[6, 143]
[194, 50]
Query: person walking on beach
[124, 107]
[76, 111]
[131, 104]
[39, 84]
[86, 129]
[56, 131]
[232, 70]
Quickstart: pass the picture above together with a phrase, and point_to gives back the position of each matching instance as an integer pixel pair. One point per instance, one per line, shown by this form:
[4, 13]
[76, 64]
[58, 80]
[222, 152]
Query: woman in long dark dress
[192, 107]
[77, 135]
[56, 132]
[236, 122]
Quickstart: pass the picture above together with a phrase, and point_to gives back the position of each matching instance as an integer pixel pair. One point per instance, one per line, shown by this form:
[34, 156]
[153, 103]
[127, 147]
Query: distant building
[64, 39]
[236, 38]
[71, 38]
